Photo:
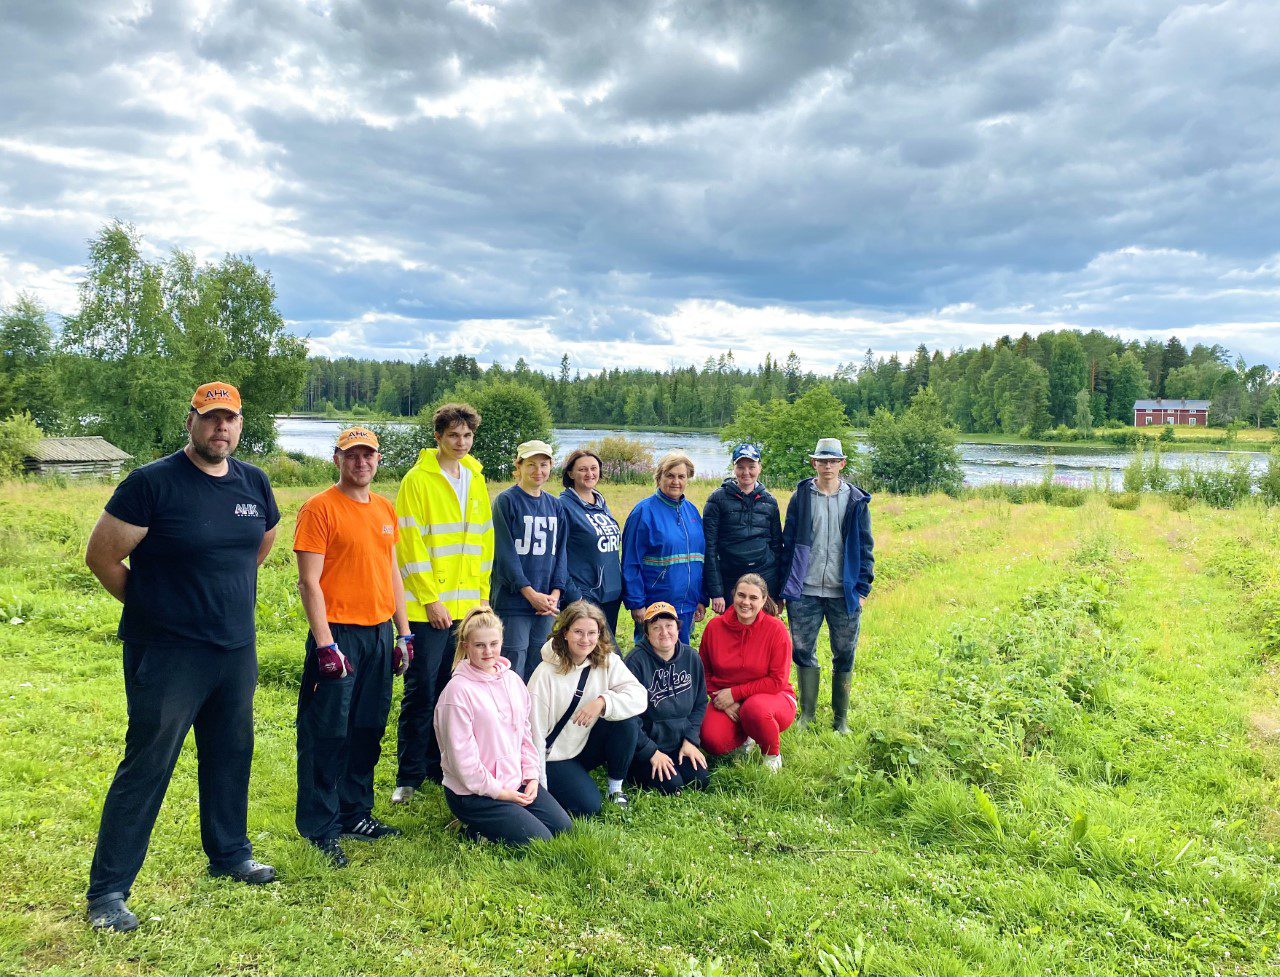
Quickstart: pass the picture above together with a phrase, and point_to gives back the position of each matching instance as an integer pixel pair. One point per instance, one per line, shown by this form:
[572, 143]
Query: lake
[983, 464]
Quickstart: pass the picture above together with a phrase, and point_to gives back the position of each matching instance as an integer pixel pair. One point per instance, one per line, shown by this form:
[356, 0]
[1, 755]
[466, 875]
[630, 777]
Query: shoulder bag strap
[573, 706]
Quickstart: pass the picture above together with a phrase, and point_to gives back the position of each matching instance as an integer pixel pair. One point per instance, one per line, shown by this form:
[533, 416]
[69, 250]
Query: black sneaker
[248, 871]
[369, 829]
[619, 799]
[330, 849]
[109, 913]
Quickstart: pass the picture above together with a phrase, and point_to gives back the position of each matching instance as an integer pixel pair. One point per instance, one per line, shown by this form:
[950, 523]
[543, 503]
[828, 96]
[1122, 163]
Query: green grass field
[1064, 755]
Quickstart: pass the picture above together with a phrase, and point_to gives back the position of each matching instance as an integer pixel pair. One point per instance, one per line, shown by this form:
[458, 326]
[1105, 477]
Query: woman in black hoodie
[668, 751]
[743, 529]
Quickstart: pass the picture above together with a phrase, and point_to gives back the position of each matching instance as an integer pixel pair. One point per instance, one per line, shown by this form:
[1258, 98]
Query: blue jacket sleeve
[507, 571]
[634, 537]
[866, 572]
[560, 569]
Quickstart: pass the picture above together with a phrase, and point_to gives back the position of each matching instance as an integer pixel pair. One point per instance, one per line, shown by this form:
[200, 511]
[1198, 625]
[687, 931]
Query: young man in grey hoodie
[827, 570]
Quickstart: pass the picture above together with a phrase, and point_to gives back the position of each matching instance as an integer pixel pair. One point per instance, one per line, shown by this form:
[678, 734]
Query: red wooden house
[1193, 412]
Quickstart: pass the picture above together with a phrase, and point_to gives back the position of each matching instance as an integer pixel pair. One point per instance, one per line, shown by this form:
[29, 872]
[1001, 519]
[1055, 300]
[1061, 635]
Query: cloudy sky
[641, 182]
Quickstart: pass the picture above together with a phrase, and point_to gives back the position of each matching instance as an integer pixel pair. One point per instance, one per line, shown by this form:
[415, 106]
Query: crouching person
[746, 656]
[668, 756]
[490, 760]
[584, 704]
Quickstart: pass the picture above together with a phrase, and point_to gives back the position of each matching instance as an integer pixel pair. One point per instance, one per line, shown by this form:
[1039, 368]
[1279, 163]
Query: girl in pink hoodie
[746, 658]
[491, 763]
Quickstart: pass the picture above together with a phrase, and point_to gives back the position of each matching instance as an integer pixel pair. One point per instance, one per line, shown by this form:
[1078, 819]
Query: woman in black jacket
[743, 528]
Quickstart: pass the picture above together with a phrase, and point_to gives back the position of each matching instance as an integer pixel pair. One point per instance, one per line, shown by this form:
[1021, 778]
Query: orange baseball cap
[353, 436]
[216, 396]
[660, 608]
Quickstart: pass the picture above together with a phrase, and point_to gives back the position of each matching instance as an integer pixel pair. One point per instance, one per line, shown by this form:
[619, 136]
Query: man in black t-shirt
[195, 526]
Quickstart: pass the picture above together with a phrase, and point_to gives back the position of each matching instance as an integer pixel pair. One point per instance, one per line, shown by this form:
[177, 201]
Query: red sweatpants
[763, 717]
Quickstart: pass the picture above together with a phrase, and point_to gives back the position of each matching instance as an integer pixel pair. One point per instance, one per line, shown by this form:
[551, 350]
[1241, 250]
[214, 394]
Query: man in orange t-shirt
[351, 590]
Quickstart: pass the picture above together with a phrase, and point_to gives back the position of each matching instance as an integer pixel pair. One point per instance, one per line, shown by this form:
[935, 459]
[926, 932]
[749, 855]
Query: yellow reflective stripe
[406, 521]
[457, 549]
[460, 595]
[486, 566]
[423, 566]
[446, 528]
[441, 528]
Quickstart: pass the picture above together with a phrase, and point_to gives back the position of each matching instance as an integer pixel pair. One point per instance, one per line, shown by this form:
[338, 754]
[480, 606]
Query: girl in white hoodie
[585, 701]
[490, 758]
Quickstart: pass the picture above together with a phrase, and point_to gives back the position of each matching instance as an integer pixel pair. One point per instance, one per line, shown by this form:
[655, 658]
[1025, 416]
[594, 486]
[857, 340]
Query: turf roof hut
[75, 456]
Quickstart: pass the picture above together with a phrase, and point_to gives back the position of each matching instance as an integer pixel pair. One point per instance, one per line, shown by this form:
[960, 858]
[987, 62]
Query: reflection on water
[983, 464]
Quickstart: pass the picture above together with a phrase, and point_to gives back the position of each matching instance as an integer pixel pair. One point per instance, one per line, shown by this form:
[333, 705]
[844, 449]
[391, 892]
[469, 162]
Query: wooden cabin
[75, 456]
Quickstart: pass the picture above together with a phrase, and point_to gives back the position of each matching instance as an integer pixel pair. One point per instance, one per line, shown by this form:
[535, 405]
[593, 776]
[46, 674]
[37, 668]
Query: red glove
[332, 663]
[402, 656]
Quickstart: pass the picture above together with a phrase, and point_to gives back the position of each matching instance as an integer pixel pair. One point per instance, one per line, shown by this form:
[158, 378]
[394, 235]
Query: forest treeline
[1024, 385]
[147, 330]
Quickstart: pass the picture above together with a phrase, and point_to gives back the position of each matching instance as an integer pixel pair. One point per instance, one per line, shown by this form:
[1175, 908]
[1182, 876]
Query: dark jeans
[806, 614]
[169, 690]
[523, 636]
[507, 821]
[610, 743]
[340, 726]
[686, 775]
[417, 752]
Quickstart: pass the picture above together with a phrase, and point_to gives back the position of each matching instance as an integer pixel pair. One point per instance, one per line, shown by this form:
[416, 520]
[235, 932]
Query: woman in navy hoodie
[593, 538]
[663, 548]
[669, 756]
[529, 571]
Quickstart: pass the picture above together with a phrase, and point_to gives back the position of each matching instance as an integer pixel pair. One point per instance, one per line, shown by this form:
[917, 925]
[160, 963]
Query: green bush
[914, 451]
[401, 443]
[19, 434]
[1124, 500]
[1222, 488]
[510, 413]
[623, 460]
[1269, 481]
[787, 432]
[295, 468]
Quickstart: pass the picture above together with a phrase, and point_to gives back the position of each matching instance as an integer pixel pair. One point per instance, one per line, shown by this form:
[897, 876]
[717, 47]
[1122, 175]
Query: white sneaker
[402, 795]
[746, 747]
[774, 763]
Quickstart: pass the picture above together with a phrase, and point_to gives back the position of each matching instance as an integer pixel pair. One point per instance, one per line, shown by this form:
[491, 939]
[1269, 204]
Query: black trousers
[686, 775]
[507, 821]
[610, 743]
[341, 722]
[170, 690]
[417, 751]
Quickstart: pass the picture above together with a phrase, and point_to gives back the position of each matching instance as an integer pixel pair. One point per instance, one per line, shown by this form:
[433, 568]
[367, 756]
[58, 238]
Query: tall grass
[1054, 768]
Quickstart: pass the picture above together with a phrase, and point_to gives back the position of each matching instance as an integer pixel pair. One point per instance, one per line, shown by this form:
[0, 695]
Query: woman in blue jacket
[593, 538]
[663, 548]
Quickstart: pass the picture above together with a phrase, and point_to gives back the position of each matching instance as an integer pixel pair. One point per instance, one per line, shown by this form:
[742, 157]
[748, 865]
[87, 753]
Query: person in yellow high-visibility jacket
[445, 554]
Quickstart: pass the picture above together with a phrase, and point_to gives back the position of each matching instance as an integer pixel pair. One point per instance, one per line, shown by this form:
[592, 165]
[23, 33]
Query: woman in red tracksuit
[746, 656]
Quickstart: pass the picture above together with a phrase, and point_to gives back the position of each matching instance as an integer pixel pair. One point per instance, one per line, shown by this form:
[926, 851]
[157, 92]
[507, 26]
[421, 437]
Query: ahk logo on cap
[353, 436]
[216, 396]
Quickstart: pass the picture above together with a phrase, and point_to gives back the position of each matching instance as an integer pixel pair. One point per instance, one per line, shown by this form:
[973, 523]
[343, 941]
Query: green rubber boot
[808, 679]
[840, 687]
